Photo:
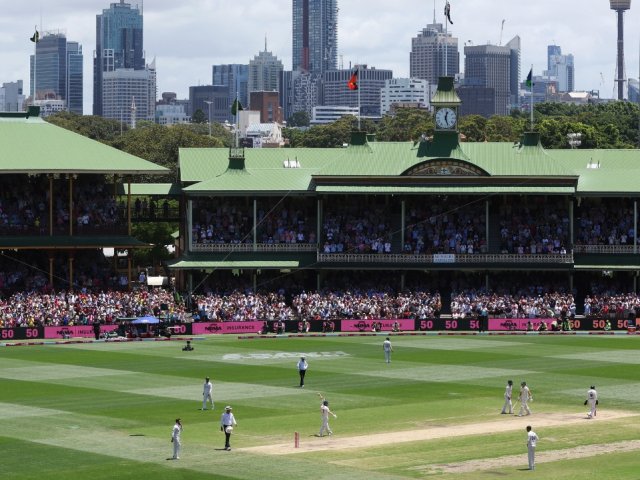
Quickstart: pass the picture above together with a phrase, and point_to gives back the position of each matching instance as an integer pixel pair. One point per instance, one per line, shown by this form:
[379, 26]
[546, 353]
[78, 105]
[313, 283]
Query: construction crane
[501, 30]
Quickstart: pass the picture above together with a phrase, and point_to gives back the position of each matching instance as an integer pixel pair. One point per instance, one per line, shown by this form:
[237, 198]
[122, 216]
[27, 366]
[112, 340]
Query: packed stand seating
[65, 308]
[542, 227]
[240, 306]
[524, 304]
[607, 300]
[445, 225]
[359, 226]
[288, 221]
[605, 222]
[357, 304]
[221, 221]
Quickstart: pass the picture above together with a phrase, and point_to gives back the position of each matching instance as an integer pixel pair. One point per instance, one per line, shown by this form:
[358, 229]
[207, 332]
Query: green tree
[92, 126]
[298, 119]
[503, 128]
[159, 235]
[198, 117]
[160, 144]
[406, 125]
[474, 127]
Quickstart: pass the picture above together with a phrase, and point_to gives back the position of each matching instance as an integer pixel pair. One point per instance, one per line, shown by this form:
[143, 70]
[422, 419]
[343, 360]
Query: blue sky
[188, 36]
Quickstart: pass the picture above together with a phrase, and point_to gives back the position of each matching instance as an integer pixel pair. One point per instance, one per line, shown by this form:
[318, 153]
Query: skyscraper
[428, 53]
[236, 77]
[494, 66]
[561, 67]
[264, 72]
[118, 45]
[315, 35]
[56, 71]
[370, 81]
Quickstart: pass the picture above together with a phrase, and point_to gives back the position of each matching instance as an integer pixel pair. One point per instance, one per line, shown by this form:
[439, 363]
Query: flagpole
[531, 87]
[359, 110]
[446, 45]
[237, 115]
[35, 65]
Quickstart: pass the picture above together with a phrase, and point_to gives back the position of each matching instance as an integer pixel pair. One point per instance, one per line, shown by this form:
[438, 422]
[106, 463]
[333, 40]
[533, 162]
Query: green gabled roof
[264, 171]
[31, 145]
[603, 172]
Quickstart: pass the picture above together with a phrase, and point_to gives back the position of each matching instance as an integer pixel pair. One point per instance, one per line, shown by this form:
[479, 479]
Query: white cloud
[188, 37]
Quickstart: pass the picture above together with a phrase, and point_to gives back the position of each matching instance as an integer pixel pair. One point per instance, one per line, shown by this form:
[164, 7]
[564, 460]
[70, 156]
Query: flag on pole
[36, 37]
[353, 81]
[529, 81]
[447, 12]
[236, 107]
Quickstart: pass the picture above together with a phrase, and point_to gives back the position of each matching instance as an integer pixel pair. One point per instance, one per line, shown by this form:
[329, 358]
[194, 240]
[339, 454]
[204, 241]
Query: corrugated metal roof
[617, 173]
[31, 145]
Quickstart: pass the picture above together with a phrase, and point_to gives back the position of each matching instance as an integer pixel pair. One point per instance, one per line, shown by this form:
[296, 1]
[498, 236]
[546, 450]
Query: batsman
[324, 415]
[592, 401]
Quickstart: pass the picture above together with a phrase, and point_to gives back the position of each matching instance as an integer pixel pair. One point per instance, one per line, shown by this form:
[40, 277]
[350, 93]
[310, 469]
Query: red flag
[353, 81]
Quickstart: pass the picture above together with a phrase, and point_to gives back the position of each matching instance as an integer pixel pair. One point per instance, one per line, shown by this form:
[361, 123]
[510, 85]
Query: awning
[233, 264]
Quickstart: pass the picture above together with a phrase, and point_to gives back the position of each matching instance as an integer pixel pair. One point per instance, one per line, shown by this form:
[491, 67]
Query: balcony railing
[443, 259]
[249, 247]
[605, 249]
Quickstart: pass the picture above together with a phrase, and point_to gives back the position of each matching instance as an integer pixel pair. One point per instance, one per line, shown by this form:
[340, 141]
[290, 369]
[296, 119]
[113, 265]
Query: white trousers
[387, 356]
[176, 448]
[204, 401]
[508, 405]
[325, 426]
[524, 408]
[532, 456]
[592, 406]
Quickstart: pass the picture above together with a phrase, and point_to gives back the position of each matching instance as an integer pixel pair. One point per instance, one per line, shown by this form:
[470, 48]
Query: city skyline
[186, 39]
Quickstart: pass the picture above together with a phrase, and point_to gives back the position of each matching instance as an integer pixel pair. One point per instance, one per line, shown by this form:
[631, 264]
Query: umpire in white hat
[227, 424]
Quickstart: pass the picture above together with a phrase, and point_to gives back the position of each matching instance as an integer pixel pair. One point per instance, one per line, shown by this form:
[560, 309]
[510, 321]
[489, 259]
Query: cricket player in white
[508, 405]
[592, 401]
[324, 414]
[207, 394]
[175, 439]
[525, 398]
[386, 346]
[532, 441]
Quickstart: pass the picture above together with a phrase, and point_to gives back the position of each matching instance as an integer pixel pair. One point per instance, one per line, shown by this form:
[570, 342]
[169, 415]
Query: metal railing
[606, 249]
[443, 260]
[250, 247]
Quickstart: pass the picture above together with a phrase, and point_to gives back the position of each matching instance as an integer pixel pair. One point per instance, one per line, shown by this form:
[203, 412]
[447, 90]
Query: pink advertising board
[517, 323]
[198, 328]
[366, 325]
[75, 331]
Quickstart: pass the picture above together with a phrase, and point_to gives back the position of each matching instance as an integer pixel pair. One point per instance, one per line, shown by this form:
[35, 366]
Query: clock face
[446, 118]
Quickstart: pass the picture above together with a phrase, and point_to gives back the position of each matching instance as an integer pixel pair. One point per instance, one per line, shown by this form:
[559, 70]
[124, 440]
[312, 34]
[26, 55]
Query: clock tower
[446, 104]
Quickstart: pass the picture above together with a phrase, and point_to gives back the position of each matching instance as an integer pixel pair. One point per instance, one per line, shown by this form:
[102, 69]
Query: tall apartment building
[11, 97]
[56, 71]
[264, 72]
[370, 81]
[118, 45]
[299, 92]
[236, 77]
[124, 88]
[434, 54]
[404, 91]
[212, 100]
[496, 67]
[561, 67]
[315, 35]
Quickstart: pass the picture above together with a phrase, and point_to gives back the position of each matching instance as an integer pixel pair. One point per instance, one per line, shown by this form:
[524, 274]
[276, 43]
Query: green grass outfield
[106, 410]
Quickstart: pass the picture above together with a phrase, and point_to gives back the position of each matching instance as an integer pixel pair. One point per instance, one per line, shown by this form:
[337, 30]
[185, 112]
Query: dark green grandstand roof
[381, 167]
[31, 145]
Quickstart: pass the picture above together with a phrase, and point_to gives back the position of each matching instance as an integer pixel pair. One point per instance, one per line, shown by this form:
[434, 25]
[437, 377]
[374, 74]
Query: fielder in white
[592, 401]
[532, 441]
[324, 415]
[525, 397]
[386, 346]
[175, 439]
[508, 405]
[207, 393]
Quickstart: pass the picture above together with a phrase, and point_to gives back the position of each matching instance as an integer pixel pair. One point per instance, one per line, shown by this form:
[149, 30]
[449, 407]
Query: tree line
[603, 125]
